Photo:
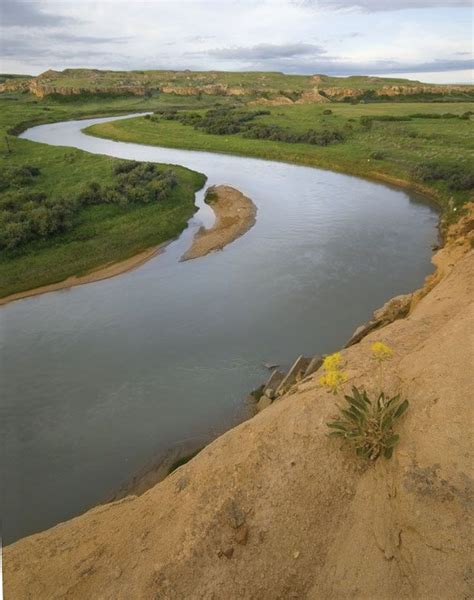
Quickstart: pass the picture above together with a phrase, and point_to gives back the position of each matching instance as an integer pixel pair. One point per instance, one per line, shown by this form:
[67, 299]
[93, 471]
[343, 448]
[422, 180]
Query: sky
[428, 40]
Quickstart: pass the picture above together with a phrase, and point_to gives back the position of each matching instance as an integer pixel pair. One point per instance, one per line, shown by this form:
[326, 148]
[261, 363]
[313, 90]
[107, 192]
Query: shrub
[13, 234]
[465, 115]
[230, 121]
[26, 215]
[367, 120]
[91, 194]
[378, 155]
[457, 177]
[222, 121]
[211, 195]
[125, 166]
[323, 137]
[327, 111]
[18, 176]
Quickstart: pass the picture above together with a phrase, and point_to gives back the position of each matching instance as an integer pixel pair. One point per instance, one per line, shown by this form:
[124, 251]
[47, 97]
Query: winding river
[99, 378]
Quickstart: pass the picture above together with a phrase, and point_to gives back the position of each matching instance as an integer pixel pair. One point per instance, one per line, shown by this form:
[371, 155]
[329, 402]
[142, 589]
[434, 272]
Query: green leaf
[387, 422]
[355, 402]
[358, 415]
[338, 425]
[361, 451]
[361, 397]
[366, 398]
[391, 441]
[392, 401]
[381, 401]
[388, 452]
[336, 434]
[401, 409]
[350, 415]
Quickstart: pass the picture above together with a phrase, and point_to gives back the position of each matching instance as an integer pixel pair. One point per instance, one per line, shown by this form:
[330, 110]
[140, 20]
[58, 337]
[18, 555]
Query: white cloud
[284, 35]
[385, 5]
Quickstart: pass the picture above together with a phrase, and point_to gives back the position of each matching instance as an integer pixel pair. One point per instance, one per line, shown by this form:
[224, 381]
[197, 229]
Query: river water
[99, 378]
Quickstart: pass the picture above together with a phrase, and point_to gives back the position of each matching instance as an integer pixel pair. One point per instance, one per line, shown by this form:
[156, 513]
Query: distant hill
[260, 87]
[7, 76]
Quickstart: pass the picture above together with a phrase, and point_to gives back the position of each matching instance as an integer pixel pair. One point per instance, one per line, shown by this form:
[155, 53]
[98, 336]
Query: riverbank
[95, 233]
[256, 501]
[458, 241]
[105, 272]
[235, 215]
[392, 143]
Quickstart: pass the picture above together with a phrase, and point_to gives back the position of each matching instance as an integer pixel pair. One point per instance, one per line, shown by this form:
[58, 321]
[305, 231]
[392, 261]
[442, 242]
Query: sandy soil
[274, 510]
[235, 215]
[104, 272]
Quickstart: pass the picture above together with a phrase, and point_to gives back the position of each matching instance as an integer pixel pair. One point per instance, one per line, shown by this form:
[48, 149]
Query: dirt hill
[264, 88]
[274, 509]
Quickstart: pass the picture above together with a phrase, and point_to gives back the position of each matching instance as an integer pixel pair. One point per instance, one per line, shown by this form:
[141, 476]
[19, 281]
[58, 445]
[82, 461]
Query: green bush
[276, 133]
[378, 155]
[457, 177]
[367, 120]
[26, 214]
[223, 121]
[18, 176]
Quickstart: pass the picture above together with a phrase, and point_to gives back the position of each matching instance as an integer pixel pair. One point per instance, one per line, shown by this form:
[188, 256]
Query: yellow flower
[381, 351]
[333, 380]
[333, 362]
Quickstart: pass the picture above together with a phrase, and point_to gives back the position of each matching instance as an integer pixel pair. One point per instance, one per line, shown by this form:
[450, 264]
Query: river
[100, 378]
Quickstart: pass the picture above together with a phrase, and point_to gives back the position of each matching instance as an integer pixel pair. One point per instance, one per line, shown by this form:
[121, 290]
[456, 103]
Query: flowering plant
[366, 425]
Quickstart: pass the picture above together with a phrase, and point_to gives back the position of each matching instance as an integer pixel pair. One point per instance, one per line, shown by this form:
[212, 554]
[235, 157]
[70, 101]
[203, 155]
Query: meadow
[426, 146]
[397, 151]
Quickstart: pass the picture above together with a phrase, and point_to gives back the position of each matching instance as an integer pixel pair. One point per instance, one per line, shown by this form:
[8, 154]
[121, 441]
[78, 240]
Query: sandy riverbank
[235, 215]
[110, 270]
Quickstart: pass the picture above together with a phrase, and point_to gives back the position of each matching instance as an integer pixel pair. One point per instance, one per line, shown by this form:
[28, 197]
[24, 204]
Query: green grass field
[101, 234]
[389, 150]
[398, 146]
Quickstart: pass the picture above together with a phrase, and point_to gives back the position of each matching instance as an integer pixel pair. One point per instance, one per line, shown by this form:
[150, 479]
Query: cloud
[435, 66]
[17, 13]
[338, 37]
[86, 39]
[59, 46]
[266, 51]
[310, 59]
[384, 5]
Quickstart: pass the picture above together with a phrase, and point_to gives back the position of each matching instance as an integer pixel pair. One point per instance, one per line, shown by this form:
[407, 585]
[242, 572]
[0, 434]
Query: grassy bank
[99, 234]
[385, 150]
[392, 150]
